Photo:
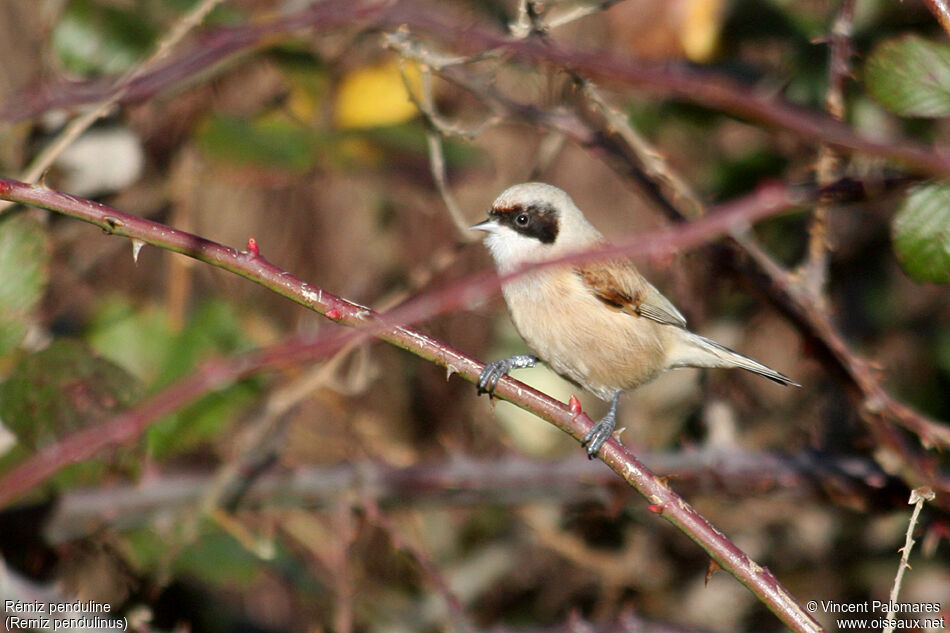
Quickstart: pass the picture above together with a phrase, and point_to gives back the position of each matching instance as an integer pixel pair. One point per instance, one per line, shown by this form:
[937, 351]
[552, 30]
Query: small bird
[601, 325]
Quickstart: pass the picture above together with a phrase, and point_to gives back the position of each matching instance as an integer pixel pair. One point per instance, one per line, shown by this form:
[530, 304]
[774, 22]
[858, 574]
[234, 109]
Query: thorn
[713, 568]
[575, 405]
[449, 370]
[112, 224]
[655, 508]
[137, 245]
[41, 183]
[617, 433]
[252, 246]
[333, 314]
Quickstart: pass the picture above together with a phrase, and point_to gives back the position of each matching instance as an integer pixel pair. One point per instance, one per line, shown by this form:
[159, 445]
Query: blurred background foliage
[310, 144]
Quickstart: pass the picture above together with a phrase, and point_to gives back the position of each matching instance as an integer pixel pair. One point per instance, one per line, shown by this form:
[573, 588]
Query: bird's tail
[700, 351]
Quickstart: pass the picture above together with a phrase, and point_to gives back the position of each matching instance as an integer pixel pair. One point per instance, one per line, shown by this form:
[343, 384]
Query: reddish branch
[126, 427]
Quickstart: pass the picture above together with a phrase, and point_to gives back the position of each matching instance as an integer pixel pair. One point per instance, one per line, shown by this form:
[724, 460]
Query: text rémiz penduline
[39, 606]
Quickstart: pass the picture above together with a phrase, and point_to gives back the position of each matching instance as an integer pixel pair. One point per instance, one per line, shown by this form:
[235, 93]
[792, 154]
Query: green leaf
[409, 139]
[196, 424]
[267, 142]
[100, 38]
[911, 76]
[142, 341]
[24, 273]
[62, 389]
[214, 328]
[922, 234]
[202, 552]
[219, 560]
[138, 339]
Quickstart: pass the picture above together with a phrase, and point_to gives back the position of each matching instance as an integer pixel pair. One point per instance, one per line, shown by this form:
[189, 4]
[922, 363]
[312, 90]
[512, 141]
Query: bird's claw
[493, 371]
[598, 434]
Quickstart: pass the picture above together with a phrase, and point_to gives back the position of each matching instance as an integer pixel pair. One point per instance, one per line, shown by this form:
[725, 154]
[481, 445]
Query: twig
[654, 164]
[917, 497]
[523, 24]
[813, 270]
[255, 442]
[576, 13]
[528, 21]
[425, 562]
[436, 128]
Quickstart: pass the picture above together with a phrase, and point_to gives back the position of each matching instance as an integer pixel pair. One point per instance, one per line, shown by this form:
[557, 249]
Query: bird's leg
[488, 379]
[602, 430]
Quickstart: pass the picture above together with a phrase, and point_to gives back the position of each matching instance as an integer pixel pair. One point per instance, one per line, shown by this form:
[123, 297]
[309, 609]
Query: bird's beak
[488, 226]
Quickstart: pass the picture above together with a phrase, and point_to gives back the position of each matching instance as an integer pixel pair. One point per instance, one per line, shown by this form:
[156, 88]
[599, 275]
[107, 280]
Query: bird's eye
[522, 219]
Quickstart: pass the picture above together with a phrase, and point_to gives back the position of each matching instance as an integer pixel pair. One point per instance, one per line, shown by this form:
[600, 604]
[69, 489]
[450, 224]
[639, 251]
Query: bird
[600, 324]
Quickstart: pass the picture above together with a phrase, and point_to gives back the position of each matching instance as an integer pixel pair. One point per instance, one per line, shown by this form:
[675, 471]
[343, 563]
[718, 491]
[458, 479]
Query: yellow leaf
[376, 95]
[699, 30]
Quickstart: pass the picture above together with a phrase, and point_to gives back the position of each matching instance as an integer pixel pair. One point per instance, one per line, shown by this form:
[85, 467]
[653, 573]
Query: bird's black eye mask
[534, 220]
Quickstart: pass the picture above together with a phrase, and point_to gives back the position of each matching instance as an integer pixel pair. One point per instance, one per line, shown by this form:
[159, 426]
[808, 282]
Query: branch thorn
[137, 245]
[575, 405]
[712, 569]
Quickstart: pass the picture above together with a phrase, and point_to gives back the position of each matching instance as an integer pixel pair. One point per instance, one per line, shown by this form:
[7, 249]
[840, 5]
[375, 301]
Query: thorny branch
[127, 426]
[917, 497]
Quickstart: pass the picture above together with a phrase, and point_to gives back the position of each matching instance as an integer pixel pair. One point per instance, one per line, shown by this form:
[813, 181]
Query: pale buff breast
[598, 348]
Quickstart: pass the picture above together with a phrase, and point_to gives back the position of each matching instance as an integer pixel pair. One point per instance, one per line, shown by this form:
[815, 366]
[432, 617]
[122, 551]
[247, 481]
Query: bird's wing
[619, 285]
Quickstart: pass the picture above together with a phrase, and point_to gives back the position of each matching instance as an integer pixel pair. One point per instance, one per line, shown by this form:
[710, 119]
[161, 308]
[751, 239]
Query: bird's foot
[598, 434]
[488, 379]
